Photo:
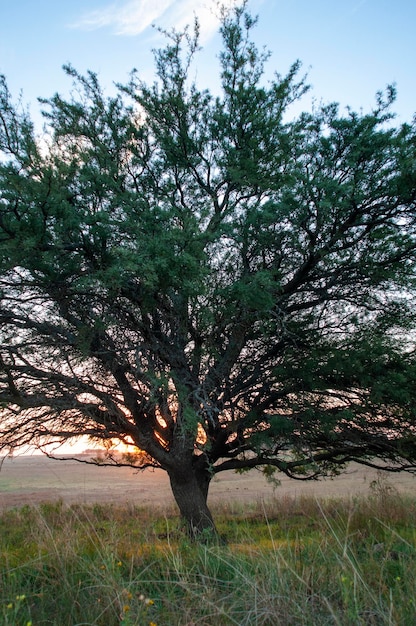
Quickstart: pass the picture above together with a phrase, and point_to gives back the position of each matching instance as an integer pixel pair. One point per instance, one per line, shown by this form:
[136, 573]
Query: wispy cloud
[132, 17]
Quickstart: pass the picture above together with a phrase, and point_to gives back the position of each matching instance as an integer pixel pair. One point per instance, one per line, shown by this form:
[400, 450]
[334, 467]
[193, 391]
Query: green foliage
[218, 281]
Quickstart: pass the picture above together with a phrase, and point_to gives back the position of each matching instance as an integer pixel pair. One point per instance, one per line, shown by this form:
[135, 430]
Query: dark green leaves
[210, 276]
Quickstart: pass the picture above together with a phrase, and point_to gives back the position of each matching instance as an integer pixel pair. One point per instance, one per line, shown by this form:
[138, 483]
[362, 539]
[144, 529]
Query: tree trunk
[190, 490]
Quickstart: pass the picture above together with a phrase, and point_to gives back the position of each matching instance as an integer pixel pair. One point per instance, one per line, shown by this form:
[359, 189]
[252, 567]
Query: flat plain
[36, 479]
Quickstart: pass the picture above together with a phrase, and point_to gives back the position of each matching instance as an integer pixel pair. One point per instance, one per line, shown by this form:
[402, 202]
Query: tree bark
[190, 490]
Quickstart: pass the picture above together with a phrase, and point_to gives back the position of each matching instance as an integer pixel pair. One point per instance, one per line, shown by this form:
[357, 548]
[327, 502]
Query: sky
[350, 48]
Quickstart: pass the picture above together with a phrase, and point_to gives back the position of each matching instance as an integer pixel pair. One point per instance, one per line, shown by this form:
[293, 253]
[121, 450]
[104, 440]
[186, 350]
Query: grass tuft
[293, 561]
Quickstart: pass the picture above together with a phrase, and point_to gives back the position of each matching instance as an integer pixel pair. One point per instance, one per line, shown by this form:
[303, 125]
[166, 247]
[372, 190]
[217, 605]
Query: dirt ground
[35, 479]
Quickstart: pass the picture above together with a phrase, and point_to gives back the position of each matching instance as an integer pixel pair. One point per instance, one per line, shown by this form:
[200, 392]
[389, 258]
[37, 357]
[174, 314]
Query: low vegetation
[294, 561]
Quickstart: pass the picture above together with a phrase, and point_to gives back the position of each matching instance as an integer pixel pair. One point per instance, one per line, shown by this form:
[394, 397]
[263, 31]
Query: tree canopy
[212, 279]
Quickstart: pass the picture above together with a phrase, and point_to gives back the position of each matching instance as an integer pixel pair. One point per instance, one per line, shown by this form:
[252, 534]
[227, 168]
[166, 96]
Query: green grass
[286, 562]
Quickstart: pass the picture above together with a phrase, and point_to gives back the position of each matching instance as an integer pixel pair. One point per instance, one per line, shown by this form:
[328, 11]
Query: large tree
[213, 280]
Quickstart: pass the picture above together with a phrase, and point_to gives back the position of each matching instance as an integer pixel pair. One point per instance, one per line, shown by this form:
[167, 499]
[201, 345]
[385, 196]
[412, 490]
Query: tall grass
[289, 561]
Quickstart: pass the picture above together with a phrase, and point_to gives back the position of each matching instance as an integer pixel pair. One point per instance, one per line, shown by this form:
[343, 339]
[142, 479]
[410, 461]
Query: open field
[35, 479]
[97, 551]
[292, 562]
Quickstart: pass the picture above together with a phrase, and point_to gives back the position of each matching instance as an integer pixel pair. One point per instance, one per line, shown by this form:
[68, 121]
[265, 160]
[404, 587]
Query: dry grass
[294, 561]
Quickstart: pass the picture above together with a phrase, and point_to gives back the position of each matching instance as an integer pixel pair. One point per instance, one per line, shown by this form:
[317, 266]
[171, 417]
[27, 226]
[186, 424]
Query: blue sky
[351, 49]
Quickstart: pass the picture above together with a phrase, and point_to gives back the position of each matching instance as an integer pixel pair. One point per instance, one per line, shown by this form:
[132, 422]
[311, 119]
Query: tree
[218, 283]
